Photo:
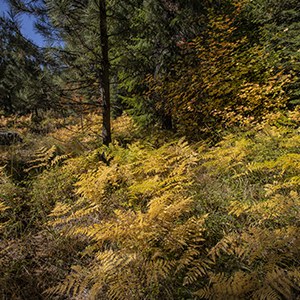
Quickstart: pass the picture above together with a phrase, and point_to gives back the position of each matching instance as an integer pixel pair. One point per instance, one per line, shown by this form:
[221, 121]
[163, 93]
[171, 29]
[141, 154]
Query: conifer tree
[78, 40]
[160, 30]
[24, 85]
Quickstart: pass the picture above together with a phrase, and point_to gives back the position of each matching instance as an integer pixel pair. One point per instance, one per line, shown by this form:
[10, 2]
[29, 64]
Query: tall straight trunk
[104, 80]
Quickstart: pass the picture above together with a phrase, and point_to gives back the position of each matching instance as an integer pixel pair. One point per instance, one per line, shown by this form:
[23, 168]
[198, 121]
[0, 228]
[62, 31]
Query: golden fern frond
[113, 260]
[157, 270]
[187, 236]
[43, 158]
[239, 285]
[3, 206]
[70, 285]
[204, 293]
[233, 152]
[61, 209]
[197, 269]
[277, 208]
[266, 293]
[175, 209]
[146, 187]
[222, 286]
[59, 158]
[280, 282]
[294, 274]
[59, 214]
[225, 245]
[238, 208]
[64, 214]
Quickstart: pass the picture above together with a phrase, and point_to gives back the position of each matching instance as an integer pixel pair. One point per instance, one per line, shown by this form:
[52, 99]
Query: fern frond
[225, 245]
[43, 158]
[278, 280]
[59, 158]
[3, 207]
[198, 268]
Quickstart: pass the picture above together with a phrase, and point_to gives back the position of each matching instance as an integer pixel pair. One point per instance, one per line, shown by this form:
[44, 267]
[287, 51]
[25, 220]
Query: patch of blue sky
[27, 25]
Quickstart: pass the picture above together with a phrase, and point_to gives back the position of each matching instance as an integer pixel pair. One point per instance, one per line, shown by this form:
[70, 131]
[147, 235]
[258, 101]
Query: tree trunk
[167, 122]
[8, 107]
[104, 80]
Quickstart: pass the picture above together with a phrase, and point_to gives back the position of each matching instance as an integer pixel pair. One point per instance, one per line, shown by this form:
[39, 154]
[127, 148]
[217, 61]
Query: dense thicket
[193, 193]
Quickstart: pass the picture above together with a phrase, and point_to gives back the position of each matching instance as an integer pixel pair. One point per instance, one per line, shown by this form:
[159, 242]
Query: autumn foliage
[207, 207]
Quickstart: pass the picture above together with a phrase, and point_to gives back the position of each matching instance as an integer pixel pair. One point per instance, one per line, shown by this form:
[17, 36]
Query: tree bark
[167, 122]
[104, 77]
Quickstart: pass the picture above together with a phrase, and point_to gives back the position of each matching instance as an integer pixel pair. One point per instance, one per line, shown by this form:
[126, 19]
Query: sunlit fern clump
[146, 241]
[257, 255]
[178, 223]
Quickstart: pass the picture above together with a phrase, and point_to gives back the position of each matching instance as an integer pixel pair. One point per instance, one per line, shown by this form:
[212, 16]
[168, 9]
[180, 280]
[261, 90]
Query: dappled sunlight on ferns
[157, 227]
[139, 218]
[260, 251]
[140, 221]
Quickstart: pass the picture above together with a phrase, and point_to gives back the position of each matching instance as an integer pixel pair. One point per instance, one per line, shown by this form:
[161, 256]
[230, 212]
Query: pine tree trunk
[167, 122]
[104, 80]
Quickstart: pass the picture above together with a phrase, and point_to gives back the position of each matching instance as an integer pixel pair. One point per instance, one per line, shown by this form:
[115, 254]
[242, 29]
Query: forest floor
[152, 216]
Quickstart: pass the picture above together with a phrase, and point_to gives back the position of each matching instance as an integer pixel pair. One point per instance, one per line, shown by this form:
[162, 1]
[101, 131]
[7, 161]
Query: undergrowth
[142, 220]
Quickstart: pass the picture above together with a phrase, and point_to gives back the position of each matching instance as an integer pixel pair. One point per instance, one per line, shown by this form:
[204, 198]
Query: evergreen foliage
[24, 85]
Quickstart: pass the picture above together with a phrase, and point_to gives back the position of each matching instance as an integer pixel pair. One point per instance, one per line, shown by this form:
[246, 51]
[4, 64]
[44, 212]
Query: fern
[170, 221]
[43, 158]
[3, 207]
[137, 212]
